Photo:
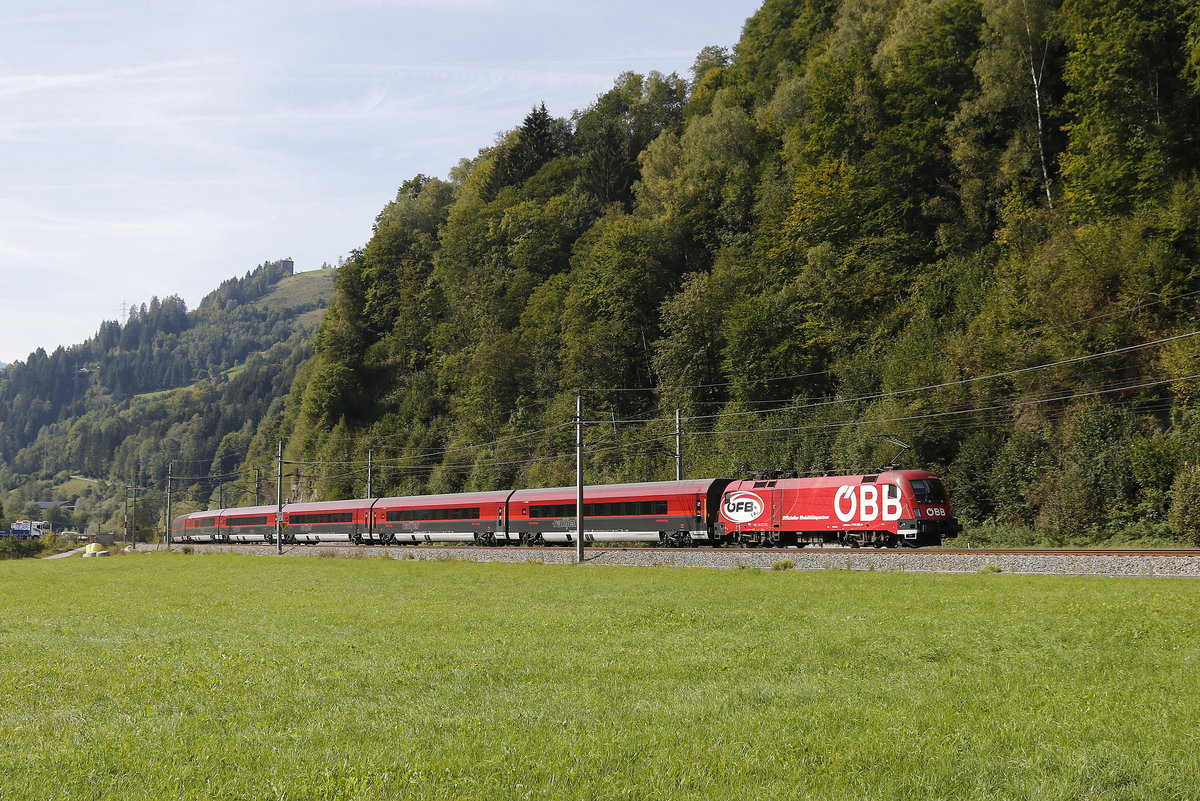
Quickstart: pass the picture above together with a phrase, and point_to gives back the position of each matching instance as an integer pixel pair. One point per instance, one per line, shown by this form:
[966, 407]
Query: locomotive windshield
[928, 490]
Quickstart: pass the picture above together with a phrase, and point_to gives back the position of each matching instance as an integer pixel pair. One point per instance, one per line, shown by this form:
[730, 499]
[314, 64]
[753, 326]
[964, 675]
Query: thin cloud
[11, 85]
[160, 148]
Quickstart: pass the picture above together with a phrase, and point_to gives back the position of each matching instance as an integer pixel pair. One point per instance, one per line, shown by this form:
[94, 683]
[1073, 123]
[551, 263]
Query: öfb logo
[742, 507]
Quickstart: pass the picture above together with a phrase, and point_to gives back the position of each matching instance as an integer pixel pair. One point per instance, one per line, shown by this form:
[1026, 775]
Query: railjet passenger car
[896, 507]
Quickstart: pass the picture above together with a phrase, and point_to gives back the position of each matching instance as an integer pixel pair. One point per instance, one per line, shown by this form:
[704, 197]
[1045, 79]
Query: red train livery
[895, 507]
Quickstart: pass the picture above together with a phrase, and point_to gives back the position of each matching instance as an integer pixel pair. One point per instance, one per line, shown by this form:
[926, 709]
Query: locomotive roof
[833, 481]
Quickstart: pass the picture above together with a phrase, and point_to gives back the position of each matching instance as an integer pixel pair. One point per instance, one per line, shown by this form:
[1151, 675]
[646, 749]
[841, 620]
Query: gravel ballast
[1099, 564]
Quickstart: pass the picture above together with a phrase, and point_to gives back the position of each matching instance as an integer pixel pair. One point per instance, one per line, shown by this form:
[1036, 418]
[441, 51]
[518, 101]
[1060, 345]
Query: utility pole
[678, 448]
[133, 528]
[579, 479]
[279, 500]
[257, 485]
[369, 466]
[168, 521]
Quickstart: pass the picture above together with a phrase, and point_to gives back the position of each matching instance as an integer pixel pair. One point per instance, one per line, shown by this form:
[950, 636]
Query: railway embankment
[1077, 563]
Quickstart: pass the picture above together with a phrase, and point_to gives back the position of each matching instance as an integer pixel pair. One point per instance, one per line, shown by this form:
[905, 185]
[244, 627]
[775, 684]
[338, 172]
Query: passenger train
[886, 509]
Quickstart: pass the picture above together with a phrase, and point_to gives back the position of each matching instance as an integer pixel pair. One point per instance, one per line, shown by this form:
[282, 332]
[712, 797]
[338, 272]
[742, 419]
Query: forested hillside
[973, 225]
[842, 228]
[166, 385]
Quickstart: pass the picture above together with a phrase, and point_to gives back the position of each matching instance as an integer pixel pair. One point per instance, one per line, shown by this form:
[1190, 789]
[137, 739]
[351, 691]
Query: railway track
[833, 551]
[1110, 562]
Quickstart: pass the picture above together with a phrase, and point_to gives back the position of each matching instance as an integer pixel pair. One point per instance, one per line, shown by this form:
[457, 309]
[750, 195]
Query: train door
[777, 513]
[500, 532]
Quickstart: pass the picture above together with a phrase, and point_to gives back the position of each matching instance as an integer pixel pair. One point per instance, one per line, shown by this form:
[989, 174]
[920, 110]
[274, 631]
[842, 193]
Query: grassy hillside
[302, 291]
[221, 677]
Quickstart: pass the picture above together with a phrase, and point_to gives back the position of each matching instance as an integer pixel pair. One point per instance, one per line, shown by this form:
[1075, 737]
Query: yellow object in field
[94, 549]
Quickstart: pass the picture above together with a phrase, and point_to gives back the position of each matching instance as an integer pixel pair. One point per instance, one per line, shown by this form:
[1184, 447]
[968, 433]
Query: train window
[928, 490]
[555, 510]
[322, 517]
[869, 479]
[463, 513]
[610, 509]
[253, 520]
[892, 490]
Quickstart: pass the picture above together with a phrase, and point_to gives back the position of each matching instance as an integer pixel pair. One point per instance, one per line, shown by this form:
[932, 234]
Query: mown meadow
[221, 677]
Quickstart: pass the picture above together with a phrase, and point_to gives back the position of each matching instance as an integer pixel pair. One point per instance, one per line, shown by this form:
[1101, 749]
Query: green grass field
[241, 677]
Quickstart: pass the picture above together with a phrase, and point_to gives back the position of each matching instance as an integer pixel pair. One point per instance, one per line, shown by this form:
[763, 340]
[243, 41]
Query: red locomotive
[895, 507]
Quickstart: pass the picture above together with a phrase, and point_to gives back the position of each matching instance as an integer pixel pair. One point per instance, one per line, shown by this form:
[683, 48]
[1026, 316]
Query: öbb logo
[865, 504]
[742, 507]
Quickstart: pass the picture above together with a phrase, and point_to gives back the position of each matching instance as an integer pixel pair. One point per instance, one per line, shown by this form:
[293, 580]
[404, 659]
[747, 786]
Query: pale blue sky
[154, 148]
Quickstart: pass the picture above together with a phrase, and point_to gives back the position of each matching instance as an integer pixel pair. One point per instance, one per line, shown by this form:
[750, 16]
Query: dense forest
[872, 217]
[972, 225]
[166, 385]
